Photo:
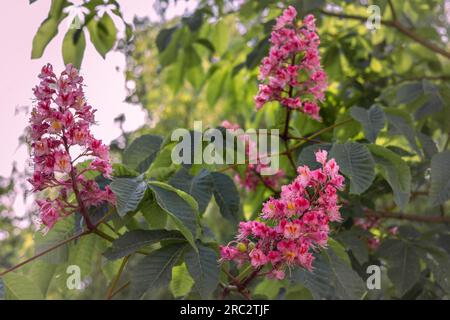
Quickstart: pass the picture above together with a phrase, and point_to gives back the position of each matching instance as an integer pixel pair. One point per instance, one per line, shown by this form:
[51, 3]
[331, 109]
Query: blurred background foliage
[204, 66]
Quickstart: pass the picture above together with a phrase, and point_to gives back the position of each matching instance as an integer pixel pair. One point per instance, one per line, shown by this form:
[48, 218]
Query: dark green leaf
[395, 171]
[180, 206]
[440, 178]
[129, 193]
[155, 270]
[356, 162]
[142, 151]
[404, 268]
[372, 120]
[226, 195]
[204, 268]
[20, 287]
[199, 186]
[134, 240]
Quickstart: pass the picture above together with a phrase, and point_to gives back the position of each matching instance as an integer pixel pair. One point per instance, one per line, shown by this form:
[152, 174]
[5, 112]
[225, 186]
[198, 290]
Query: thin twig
[46, 251]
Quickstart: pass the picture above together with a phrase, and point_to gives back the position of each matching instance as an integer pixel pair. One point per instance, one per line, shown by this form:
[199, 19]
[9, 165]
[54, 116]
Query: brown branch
[395, 25]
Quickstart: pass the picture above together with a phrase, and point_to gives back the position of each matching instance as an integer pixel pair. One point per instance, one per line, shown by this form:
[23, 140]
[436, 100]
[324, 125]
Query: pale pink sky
[105, 90]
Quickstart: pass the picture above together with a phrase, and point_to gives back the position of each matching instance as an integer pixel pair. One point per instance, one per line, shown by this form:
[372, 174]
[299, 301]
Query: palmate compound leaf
[154, 271]
[226, 195]
[204, 269]
[356, 162]
[134, 240]
[331, 278]
[372, 120]
[440, 178]
[181, 208]
[142, 151]
[199, 186]
[129, 193]
[403, 262]
[401, 123]
[395, 171]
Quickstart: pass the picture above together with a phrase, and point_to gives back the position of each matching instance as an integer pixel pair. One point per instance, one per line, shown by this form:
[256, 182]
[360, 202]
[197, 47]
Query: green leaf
[331, 278]
[164, 38]
[433, 104]
[409, 92]
[437, 260]
[84, 253]
[129, 193]
[395, 171]
[215, 86]
[269, 288]
[428, 145]
[73, 47]
[403, 261]
[180, 207]
[401, 123]
[220, 36]
[42, 272]
[257, 54]
[372, 120]
[182, 281]
[155, 270]
[134, 240]
[61, 231]
[356, 163]
[204, 268]
[49, 28]
[355, 245]
[103, 34]
[339, 250]
[20, 287]
[142, 151]
[199, 186]
[226, 195]
[440, 178]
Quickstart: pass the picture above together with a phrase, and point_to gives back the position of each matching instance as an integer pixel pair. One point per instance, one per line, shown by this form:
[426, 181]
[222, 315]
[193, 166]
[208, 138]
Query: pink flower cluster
[294, 225]
[291, 72]
[252, 176]
[60, 136]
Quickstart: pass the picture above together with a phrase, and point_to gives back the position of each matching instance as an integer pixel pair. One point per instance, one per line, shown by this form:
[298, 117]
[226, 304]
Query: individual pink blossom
[291, 73]
[60, 120]
[293, 226]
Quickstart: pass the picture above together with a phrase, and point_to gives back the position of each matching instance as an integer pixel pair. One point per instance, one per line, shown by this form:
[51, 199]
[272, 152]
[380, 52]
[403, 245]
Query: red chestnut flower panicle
[252, 176]
[291, 73]
[60, 136]
[293, 226]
